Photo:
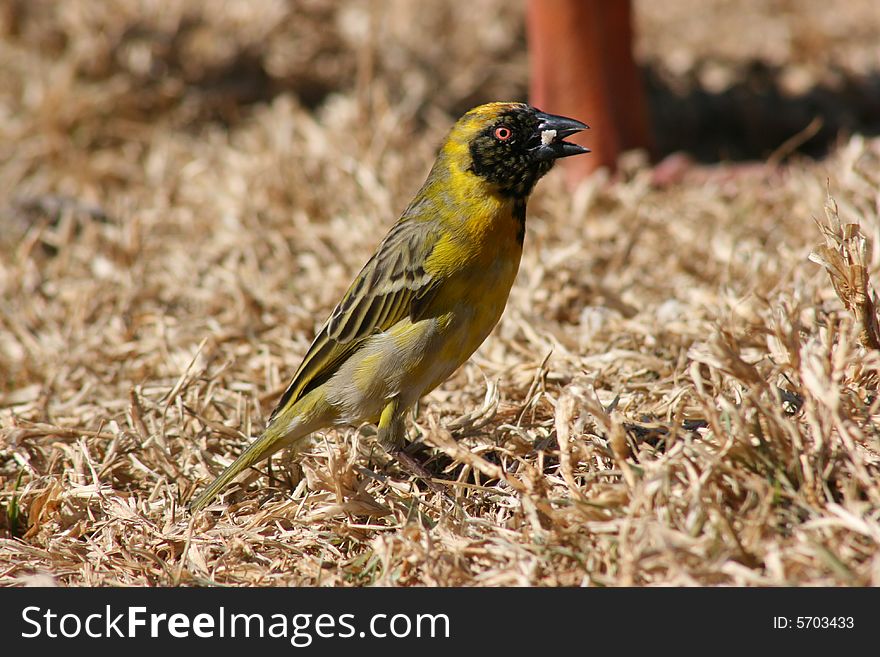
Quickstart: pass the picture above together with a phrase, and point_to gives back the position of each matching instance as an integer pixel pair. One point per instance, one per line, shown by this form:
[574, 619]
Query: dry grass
[676, 394]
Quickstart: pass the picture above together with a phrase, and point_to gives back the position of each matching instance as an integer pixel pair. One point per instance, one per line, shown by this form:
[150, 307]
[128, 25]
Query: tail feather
[281, 432]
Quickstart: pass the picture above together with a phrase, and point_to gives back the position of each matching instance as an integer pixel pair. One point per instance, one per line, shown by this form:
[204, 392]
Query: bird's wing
[392, 285]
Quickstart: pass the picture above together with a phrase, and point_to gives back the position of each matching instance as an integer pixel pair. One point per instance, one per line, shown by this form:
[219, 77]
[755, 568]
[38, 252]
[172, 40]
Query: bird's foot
[416, 469]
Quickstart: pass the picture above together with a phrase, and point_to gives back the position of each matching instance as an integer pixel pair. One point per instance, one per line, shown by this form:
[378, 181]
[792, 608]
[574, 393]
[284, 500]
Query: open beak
[549, 135]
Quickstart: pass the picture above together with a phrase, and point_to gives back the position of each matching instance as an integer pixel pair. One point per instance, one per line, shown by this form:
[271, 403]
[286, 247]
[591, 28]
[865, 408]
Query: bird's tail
[287, 429]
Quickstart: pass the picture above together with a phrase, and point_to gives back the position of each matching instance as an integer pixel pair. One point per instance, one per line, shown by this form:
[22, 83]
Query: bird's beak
[549, 135]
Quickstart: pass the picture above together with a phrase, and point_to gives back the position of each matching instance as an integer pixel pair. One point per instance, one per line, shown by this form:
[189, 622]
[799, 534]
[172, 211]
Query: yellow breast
[480, 262]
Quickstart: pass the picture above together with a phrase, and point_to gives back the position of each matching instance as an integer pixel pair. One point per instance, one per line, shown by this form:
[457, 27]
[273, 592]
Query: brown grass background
[676, 395]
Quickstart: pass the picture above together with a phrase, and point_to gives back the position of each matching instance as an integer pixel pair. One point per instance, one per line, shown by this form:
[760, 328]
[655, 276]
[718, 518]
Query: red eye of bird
[502, 133]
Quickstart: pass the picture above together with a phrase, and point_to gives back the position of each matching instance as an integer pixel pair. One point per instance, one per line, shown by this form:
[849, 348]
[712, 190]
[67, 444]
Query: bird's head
[511, 145]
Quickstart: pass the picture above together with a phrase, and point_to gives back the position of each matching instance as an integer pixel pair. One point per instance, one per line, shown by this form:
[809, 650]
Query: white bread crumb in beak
[547, 137]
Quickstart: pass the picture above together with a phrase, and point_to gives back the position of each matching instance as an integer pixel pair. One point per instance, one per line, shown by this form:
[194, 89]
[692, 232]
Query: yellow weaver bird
[431, 293]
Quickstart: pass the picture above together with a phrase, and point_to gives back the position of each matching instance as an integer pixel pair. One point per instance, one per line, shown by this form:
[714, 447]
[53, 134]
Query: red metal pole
[582, 65]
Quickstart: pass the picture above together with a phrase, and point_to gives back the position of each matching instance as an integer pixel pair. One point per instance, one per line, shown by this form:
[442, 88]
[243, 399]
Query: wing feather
[392, 285]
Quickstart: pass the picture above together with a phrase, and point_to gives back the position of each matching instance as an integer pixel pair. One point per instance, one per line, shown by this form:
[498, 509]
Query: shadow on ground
[754, 117]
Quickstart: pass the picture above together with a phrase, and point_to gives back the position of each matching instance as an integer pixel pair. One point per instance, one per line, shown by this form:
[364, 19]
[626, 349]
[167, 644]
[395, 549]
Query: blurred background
[725, 79]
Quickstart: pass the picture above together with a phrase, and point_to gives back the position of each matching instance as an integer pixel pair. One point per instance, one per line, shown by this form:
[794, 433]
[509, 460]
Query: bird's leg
[391, 433]
[391, 427]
